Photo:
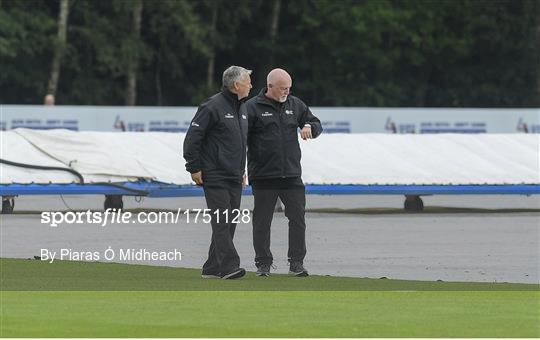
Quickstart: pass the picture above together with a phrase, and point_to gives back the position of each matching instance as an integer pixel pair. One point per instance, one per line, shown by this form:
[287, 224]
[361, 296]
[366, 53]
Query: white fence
[334, 119]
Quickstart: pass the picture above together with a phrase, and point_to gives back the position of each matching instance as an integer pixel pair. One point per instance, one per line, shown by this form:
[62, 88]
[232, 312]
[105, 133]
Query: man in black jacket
[215, 152]
[274, 167]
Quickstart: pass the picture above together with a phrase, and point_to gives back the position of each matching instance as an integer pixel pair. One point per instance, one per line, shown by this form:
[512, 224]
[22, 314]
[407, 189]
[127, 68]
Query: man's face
[49, 100]
[280, 90]
[243, 86]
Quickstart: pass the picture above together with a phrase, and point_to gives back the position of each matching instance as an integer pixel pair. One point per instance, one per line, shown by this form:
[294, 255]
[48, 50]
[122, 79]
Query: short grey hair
[233, 74]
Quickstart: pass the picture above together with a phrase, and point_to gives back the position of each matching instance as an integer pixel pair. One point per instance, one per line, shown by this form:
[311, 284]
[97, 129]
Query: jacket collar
[233, 97]
[263, 99]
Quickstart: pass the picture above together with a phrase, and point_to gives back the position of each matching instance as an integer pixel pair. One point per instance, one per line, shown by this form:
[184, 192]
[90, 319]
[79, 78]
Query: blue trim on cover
[156, 189]
[484, 189]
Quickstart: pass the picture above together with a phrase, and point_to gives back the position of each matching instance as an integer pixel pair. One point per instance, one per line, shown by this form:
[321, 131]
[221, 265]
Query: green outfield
[76, 299]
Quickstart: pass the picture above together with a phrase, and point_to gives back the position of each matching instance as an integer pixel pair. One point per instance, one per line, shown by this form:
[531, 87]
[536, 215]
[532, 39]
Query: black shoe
[235, 274]
[211, 276]
[263, 269]
[297, 269]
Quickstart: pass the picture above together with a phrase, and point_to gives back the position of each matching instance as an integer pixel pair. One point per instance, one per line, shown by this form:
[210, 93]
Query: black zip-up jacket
[273, 148]
[216, 140]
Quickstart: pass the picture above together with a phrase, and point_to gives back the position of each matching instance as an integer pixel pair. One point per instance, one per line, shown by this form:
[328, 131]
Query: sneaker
[297, 269]
[235, 274]
[263, 269]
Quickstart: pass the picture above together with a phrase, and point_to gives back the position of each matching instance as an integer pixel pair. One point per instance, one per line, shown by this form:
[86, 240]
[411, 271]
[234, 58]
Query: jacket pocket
[292, 159]
[269, 126]
[291, 129]
[230, 160]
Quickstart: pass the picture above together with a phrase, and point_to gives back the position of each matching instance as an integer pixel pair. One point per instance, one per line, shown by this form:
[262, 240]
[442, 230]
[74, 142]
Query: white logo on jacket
[194, 124]
[244, 117]
[289, 112]
[267, 114]
[228, 115]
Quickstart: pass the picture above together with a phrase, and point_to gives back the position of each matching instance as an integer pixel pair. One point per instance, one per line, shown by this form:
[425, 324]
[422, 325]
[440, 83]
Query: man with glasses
[274, 169]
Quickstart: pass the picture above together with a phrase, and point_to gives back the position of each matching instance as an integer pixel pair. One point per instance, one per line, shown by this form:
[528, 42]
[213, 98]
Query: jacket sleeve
[306, 117]
[244, 111]
[252, 117]
[200, 124]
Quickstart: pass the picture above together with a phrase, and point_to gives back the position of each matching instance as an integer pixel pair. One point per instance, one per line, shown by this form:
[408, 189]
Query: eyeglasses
[282, 89]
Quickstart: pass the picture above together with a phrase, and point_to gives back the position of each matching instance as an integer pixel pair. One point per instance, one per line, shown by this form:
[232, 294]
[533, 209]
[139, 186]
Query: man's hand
[197, 178]
[305, 133]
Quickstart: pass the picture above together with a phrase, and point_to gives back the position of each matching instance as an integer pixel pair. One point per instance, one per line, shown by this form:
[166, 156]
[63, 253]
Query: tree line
[379, 53]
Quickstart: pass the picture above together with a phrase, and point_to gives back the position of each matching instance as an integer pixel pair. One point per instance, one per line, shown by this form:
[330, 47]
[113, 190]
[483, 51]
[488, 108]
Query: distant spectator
[49, 100]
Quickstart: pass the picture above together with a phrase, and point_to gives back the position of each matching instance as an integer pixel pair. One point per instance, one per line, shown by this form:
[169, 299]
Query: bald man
[274, 117]
[48, 100]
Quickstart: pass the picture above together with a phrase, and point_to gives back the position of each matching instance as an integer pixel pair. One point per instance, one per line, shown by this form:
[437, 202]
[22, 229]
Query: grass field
[79, 299]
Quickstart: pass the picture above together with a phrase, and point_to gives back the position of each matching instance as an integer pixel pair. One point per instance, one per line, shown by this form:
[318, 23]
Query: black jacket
[216, 140]
[273, 149]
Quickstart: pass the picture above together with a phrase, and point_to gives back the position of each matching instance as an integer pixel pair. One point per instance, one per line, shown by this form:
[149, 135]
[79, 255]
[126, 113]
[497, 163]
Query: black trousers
[222, 255]
[292, 193]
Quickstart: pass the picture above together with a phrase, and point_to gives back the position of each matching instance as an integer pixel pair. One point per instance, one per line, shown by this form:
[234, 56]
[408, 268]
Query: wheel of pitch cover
[413, 203]
[113, 202]
[7, 205]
